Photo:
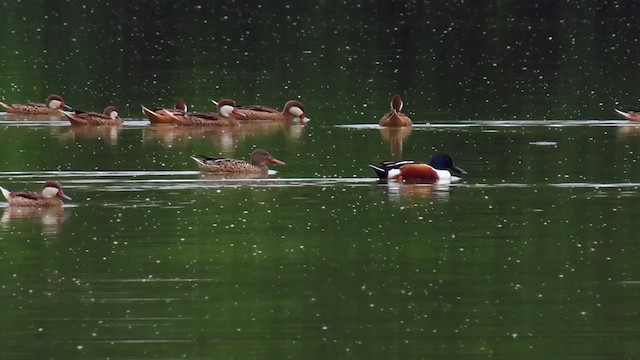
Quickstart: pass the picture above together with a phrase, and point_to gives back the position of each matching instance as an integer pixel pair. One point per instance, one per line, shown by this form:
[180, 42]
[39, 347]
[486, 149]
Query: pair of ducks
[409, 171]
[55, 105]
[228, 114]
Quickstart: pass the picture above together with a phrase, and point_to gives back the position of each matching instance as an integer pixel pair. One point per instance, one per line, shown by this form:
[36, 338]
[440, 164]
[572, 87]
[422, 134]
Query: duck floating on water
[51, 196]
[257, 163]
[292, 112]
[52, 104]
[438, 170]
[161, 116]
[226, 115]
[395, 118]
[108, 117]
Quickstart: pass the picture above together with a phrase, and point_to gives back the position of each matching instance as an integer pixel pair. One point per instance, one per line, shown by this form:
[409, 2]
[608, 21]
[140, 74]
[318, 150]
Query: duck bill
[458, 169]
[62, 195]
[275, 161]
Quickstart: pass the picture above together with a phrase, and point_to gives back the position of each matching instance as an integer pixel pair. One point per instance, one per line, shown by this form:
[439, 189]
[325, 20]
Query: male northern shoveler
[258, 163]
[439, 169]
[227, 115]
[633, 115]
[160, 116]
[51, 106]
[293, 112]
[395, 118]
[50, 196]
[108, 117]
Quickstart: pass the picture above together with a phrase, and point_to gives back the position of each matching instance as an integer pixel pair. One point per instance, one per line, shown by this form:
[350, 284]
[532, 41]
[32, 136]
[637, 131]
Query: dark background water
[533, 255]
[449, 60]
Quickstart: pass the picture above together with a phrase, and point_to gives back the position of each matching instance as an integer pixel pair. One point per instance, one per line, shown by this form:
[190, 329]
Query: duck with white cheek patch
[108, 117]
[227, 115]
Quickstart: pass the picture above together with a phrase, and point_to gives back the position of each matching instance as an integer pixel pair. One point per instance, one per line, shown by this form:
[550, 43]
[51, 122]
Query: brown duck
[52, 104]
[293, 112]
[226, 115]
[395, 118]
[160, 116]
[51, 196]
[108, 117]
[258, 163]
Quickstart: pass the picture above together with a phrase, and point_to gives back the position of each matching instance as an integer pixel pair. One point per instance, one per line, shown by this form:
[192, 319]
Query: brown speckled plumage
[260, 112]
[259, 159]
[37, 108]
[108, 117]
[49, 197]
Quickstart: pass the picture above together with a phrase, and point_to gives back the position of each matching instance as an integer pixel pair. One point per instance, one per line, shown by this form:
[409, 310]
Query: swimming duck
[108, 117]
[258, 163]
[293, 112]
[156, 116]
[395, 118]
[633, 115]
[439, 169]
[227, 115]
[51, 196]
[52, 104]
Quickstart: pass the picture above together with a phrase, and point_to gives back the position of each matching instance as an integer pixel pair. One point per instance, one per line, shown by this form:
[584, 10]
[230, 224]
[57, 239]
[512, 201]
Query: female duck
[438, 170]
[50, 196]
[51, 106]
[257, 164]
[108, 117]
[395, 118]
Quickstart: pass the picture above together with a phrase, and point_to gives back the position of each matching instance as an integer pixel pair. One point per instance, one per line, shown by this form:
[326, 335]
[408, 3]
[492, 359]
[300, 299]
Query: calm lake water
[532, 255]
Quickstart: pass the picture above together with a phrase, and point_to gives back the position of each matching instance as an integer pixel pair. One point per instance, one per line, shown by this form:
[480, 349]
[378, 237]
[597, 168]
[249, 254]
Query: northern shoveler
[160, 116]
[395, 118]
[439, 169]
[50, 196]
[633, 115]
[227, 115]
[52, 104]
[108, 117]
[258, 163]
[293, 112]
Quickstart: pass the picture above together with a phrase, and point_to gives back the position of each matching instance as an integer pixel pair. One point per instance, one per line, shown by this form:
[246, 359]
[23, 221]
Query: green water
[532, 255]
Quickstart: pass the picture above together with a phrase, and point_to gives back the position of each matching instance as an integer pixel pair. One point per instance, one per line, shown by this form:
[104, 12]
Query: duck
[226, 115]
[108, 117]
[633, 115]
[438, 170]
[51, 196]
[52, 104]
[292, 112]
[395, 118]
[160, 116]
[257, 163]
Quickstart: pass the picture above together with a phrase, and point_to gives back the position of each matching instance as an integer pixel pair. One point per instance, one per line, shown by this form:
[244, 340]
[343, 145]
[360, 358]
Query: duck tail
[6, 106]
[5, 192]
[199, 159]
[382, 173]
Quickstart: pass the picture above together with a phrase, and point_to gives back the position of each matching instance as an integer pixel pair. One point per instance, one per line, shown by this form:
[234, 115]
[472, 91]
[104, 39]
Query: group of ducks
[228, 113]
[439, 169]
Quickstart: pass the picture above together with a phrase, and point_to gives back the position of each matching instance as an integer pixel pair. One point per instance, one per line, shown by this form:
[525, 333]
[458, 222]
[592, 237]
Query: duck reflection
[24, 117]
[108, 134]
[397, 191]
[395, 136]
[50, 218]
[629, 130]
[224, 138]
